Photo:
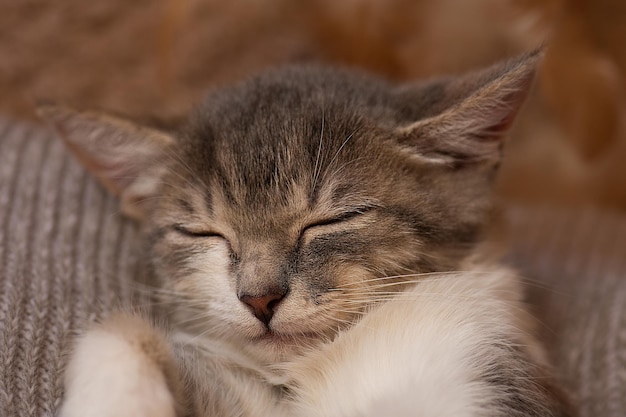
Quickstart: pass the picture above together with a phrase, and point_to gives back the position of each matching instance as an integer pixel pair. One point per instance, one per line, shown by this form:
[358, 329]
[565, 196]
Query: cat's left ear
[481, 108]
[127, 158]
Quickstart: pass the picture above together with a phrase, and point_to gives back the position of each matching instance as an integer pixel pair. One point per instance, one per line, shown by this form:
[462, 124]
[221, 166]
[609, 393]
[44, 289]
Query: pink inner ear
[512, 102]
[498, 130]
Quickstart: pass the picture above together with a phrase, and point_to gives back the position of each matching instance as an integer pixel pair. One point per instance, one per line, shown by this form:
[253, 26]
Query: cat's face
[291, 204]
[304, 216]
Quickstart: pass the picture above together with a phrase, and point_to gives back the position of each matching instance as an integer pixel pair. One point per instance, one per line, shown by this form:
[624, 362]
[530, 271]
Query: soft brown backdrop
[67, 257]
[154, 59]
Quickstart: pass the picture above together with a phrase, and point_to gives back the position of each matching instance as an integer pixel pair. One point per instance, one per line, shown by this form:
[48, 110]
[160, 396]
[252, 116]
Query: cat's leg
[126, 367]
[222, 381]
[122, 368]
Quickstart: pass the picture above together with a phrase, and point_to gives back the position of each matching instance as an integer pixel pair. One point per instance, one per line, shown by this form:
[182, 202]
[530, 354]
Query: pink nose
[262, 306]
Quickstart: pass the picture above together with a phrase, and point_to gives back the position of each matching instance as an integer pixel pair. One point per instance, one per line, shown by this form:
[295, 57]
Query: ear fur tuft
[124, 156]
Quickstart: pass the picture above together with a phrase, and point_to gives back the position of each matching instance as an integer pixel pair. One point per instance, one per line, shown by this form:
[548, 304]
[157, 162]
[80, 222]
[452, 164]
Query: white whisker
[318, 162]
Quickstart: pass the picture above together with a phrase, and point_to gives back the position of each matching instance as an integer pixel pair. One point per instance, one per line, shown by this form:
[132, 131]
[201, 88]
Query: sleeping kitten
[313, 234]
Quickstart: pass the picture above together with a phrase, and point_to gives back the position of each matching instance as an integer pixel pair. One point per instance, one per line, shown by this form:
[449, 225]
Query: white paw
[109, 377]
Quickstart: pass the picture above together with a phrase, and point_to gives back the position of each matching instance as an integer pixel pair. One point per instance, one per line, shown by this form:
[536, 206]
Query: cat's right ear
[125, 157]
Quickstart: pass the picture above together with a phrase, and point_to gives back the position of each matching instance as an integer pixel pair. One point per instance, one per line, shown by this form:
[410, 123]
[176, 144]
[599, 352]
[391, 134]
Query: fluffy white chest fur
[423, 353]
[419, 355]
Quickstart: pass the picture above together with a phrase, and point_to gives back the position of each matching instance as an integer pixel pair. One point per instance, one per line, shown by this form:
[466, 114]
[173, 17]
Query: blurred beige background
[155, 59]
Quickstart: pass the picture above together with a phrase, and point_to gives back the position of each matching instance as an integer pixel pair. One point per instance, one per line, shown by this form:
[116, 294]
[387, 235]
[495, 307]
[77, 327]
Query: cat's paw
[112, 375]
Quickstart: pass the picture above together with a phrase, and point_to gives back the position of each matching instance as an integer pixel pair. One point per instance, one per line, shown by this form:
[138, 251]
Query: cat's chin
[282, 339]
[280, 347]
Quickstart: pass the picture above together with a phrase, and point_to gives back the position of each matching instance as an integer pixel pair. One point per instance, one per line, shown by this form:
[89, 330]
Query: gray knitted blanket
[67, 257]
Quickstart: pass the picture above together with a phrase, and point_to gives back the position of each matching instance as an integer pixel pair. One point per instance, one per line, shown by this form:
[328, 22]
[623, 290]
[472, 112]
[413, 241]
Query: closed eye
[196, 233]
[344, 217]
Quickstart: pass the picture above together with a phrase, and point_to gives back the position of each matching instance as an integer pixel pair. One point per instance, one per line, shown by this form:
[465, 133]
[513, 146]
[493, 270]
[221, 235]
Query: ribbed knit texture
[575, 263]
[64, 259]
[67, 257]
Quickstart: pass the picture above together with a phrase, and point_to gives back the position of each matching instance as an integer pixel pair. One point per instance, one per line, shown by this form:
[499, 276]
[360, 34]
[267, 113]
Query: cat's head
[291, 203]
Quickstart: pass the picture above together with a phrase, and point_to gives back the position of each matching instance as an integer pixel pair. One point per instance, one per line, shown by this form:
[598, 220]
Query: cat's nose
[263, 306]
